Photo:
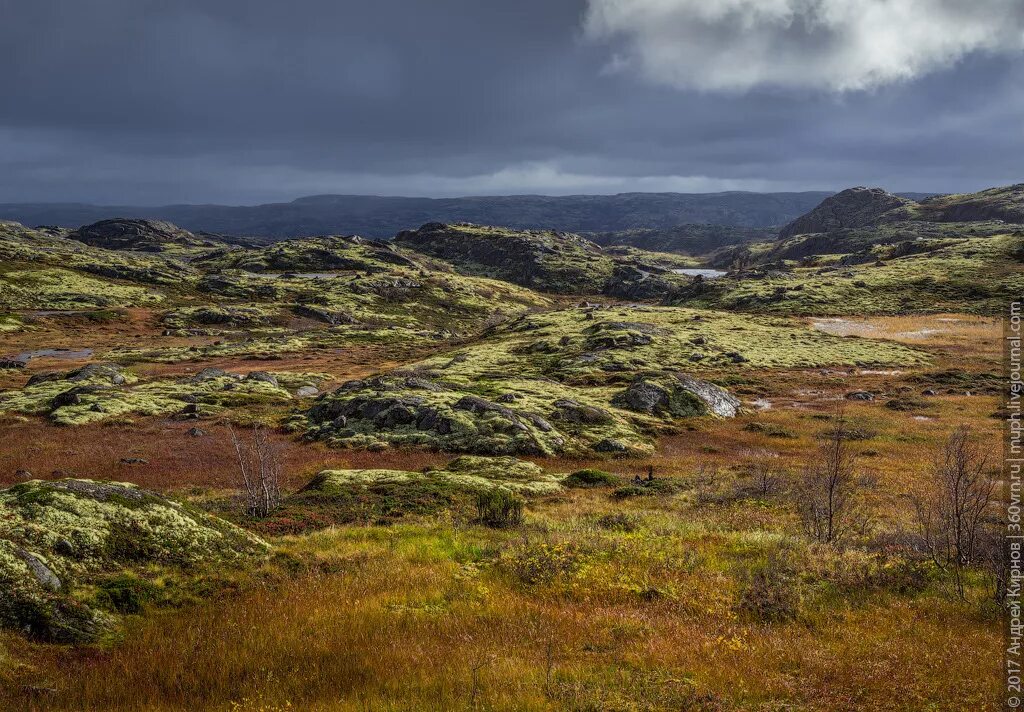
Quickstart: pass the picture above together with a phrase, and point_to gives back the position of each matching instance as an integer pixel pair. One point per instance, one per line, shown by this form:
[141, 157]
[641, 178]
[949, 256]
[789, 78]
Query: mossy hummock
[56, 537]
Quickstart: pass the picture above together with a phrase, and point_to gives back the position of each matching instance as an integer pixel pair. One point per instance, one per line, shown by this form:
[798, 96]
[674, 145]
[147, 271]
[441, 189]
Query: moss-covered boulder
[218, 315]
[57, 537]
[509, 418]
[377, 495]
[468, 473]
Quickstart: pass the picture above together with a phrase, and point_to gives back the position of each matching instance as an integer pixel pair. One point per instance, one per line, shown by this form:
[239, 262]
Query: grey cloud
[837, 45]
[139, 101]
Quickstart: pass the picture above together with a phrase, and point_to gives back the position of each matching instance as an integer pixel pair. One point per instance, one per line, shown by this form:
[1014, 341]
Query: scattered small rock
[860, 396]
[208, 374]
[134, 461]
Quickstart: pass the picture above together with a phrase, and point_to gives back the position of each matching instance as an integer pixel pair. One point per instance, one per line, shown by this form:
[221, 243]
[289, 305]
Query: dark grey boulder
[860, 396]
[610, 445]
[262, 376]
[208, 374]
[572, 412]
[40, 571]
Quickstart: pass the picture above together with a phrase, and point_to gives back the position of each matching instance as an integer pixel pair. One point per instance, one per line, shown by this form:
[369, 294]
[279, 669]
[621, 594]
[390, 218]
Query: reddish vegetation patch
[173, 458]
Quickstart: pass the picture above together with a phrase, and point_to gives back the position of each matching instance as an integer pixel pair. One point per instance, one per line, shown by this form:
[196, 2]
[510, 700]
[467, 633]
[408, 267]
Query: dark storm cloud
[139, 101]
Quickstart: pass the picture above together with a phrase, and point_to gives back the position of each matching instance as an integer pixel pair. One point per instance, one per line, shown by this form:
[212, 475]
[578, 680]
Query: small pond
[705, 273]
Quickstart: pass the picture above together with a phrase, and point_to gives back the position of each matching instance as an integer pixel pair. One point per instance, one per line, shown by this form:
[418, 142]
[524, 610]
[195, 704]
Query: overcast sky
[247, 101]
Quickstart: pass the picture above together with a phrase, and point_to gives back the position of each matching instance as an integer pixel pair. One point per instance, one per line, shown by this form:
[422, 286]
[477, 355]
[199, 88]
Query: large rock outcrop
[541, 259]
[853, 207]
[682, 396]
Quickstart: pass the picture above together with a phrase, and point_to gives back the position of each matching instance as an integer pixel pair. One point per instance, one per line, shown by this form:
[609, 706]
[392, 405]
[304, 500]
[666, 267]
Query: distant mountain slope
[685, 239]
[861, 207]
[383, 217]
[1005, 203]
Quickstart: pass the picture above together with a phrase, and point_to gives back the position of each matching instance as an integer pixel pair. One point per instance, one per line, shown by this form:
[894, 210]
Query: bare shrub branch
[259, 471]
[951, 512]
[829, 493]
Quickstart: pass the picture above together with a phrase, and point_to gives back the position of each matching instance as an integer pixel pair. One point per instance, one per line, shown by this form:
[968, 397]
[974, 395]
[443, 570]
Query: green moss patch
[53, 288]
[101, 391]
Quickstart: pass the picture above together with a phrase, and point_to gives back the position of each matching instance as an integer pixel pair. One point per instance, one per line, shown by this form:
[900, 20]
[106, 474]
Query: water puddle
[299, 275]
[705, 273]
[69, 354]
[55, 312]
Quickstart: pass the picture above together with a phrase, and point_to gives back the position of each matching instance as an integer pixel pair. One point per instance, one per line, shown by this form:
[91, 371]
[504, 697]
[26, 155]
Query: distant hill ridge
[384, 217]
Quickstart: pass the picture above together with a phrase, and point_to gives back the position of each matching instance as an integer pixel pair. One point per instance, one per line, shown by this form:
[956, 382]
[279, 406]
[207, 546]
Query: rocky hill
[1004, 203]
[851, 208]
[137, 234]
[547, 260]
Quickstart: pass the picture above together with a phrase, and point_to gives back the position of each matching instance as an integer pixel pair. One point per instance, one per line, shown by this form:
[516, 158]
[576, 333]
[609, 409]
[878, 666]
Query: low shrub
[770, 593]
[542, 563]
[627, 491]
[590, 478]
[647, 488]
[619, 522]
[770, 430]
[125, 593]
[499, 508]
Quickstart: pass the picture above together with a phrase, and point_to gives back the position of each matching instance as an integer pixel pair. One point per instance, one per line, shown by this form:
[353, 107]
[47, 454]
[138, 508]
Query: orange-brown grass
[175, 458]
[958, 332]
[399, 624]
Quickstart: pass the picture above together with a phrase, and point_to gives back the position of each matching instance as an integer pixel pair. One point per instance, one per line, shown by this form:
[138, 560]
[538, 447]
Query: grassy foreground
[589, 607]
